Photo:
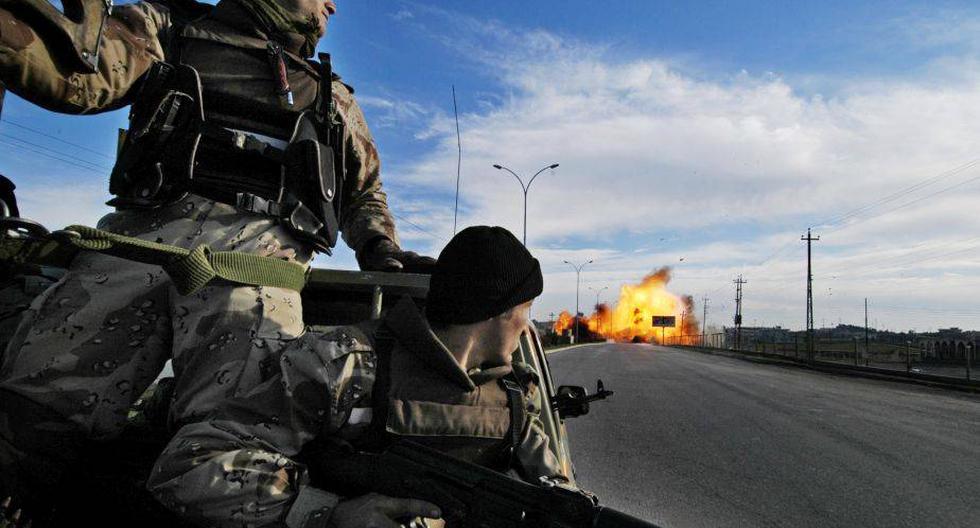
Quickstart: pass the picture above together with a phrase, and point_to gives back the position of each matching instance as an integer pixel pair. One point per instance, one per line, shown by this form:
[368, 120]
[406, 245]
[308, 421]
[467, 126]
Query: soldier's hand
[383, 254]
[379, 511]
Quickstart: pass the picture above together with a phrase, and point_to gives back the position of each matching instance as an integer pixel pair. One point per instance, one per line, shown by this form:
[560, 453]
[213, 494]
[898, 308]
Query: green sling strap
[189, 270]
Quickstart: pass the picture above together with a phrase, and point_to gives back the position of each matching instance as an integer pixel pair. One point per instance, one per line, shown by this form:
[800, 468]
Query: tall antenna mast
[459, 160]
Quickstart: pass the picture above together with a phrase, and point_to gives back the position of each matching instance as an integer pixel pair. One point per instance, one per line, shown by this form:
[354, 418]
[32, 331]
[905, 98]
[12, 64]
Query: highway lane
[692, 440]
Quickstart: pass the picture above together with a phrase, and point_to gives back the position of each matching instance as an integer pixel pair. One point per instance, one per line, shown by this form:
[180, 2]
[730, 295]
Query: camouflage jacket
[33, 65]
[240, 467]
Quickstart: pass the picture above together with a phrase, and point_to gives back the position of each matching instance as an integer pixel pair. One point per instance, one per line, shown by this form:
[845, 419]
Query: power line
[418, 227]
[56, 152]
[905, 260]
[56, 138]
[904, 205]
[881, 201]
[856, 212]
[898, 194]
[41, 153]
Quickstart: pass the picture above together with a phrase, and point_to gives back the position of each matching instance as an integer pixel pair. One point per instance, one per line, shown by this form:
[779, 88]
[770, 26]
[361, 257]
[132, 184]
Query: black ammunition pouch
[156, 160]
[171, 150]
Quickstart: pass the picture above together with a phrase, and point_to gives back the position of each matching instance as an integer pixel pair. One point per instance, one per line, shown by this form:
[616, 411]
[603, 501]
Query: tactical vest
[238, 120]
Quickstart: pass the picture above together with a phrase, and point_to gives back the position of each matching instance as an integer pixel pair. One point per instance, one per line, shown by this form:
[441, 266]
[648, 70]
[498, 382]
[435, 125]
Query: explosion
[632, 317]
[563, 323]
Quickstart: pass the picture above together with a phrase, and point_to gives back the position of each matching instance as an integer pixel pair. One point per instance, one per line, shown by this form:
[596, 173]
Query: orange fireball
[632, 316]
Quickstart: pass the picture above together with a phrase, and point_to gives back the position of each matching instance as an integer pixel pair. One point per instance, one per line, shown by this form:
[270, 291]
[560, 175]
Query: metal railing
[909, 359]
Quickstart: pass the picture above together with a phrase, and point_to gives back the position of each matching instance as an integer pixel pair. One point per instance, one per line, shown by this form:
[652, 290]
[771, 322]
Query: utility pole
[704, 322]
[867, 352]
[809, 294]
[738, 312]
[578, 274]
[683, 316]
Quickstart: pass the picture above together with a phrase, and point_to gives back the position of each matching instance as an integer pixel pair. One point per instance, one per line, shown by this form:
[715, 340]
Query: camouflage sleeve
[33, 65]
[364, 214]
[238, 468]
[534, 454]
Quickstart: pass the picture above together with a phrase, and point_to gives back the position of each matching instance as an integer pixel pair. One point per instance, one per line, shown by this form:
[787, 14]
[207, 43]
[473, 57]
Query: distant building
[773, 334]
[948, 344]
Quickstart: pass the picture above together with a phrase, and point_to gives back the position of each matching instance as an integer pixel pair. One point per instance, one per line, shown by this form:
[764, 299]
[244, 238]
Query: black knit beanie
[483, 272]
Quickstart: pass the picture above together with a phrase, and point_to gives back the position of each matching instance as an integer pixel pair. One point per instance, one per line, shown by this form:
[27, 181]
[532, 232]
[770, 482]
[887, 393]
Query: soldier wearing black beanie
[483, 272]
[446, 378]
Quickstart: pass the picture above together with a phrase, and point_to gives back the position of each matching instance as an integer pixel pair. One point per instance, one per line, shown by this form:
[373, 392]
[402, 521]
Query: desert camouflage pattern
[238, 468]
[36, 69]
[136, 36]
[93, 342]
[16, 295]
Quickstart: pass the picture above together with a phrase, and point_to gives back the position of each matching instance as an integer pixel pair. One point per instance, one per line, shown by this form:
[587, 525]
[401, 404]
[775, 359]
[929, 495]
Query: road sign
[664, 321]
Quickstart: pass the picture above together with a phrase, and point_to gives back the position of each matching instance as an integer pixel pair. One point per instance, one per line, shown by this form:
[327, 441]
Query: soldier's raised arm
[365, 213]
[366, 223]
[37, 64]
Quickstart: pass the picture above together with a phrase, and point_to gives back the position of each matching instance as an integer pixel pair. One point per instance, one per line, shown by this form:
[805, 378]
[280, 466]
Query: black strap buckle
[256, 204]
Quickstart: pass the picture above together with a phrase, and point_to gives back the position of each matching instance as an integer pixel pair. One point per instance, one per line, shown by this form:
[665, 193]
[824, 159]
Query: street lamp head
[566, 262]
[555, 166]
[498, 167]
[589, 262]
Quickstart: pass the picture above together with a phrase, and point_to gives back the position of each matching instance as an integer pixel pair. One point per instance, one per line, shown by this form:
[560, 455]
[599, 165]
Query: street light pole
[578, 273]
[525, 188]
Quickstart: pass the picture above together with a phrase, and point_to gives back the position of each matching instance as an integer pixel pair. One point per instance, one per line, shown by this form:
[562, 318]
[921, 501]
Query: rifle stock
[469, 495]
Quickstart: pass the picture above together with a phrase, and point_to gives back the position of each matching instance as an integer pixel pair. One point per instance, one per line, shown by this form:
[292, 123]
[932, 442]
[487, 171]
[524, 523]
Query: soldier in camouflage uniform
[19, 284]
[440, 376]
[95, 340]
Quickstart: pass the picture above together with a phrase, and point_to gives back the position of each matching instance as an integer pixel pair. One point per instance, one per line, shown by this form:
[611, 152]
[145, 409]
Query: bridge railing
[903, 359]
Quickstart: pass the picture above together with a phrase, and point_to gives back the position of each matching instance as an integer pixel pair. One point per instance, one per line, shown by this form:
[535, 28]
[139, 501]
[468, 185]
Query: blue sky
[713, 132]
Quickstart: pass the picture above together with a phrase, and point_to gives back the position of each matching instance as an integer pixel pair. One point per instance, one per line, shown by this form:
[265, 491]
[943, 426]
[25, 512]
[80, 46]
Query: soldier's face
[511, 325]
[322, 10]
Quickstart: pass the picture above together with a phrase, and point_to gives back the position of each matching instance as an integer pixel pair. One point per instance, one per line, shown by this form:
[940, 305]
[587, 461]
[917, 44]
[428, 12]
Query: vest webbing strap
[189, 270]
[517, 406]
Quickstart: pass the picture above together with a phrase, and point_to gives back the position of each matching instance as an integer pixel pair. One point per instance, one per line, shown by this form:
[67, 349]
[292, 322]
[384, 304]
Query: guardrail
[885, 360]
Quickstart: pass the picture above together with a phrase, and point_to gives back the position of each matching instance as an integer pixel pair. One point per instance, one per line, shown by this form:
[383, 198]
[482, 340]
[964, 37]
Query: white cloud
[391, 111]
[58, 206]
[645, 148]
[403, 14]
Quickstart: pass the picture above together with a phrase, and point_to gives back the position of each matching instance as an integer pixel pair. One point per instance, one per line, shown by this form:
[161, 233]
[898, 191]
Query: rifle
[469, 495]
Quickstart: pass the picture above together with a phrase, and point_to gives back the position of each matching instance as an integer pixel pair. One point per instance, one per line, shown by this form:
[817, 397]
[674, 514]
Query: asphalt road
[697, 440]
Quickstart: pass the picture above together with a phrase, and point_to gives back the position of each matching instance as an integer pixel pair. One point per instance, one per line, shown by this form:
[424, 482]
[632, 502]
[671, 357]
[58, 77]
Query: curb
[570, 347]
[963, 385]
